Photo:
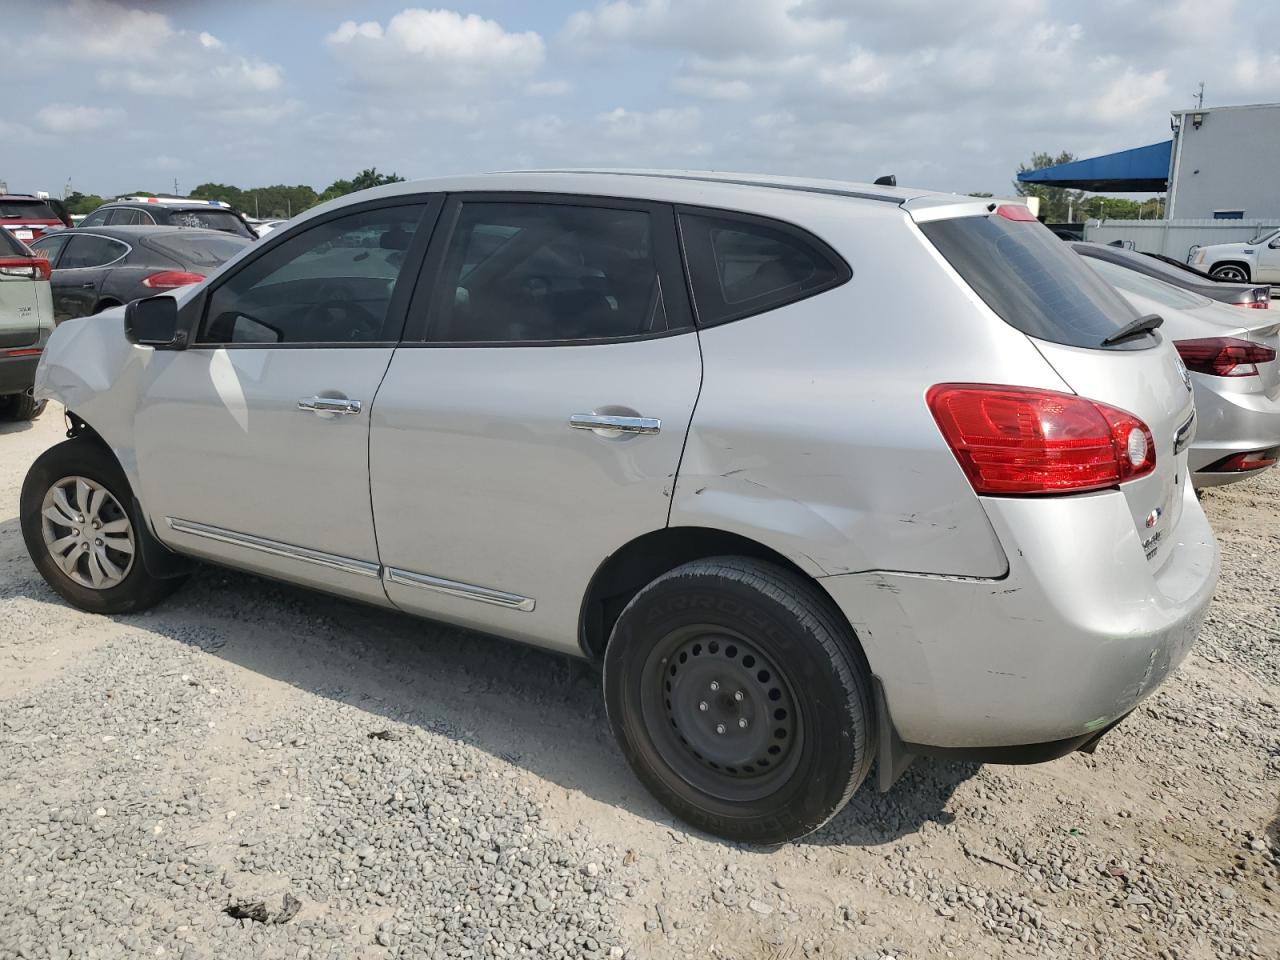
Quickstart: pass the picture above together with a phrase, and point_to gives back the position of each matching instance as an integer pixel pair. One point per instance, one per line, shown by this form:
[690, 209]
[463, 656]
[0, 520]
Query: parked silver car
[1231, 355]
[820, 472]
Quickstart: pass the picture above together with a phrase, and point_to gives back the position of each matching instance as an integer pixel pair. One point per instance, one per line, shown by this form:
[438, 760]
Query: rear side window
[89, 251]
[1033, 281]
[740, 266]
[127, 217]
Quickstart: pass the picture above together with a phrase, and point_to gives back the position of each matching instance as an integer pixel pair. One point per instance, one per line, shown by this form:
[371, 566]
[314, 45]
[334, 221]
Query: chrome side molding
[361, 568]
[454, 588]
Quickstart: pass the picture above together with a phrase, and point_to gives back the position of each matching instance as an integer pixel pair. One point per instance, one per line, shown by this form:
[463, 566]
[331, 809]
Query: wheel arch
[1242, 264]
[626, 571]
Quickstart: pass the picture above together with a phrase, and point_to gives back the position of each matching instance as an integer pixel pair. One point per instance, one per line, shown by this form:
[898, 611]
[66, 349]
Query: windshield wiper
[1143, 325]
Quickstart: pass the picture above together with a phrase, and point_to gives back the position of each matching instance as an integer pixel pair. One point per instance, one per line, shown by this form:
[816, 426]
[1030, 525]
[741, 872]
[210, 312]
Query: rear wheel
[21, 406]
[739, 698]
[83, 533]
[1230, 271]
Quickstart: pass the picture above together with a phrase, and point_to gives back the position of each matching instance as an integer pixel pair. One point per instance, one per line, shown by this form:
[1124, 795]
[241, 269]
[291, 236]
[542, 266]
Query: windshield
[1130, 281]
[223, 220]
[199, 250]
[26, 210]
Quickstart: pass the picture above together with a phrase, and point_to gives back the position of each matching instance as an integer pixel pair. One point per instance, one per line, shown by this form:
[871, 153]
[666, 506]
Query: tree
[361, 181]
[78, 203]
[1057, 204]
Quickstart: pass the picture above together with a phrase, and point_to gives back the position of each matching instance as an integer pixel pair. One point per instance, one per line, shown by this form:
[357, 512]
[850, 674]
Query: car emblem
[1154, 517]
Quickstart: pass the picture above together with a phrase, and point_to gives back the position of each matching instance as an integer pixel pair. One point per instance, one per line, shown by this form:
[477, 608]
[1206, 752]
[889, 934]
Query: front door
[253, 442]
[1269, 260]
[537, 425]
[79, 271]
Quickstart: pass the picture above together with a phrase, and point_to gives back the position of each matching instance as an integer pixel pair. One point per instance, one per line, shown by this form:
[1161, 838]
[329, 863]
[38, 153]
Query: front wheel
[83, 533]
[740, 700]
[1230, 272]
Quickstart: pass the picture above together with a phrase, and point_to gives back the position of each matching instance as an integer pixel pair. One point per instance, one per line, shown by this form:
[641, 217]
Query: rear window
[1130, 281]
[1033, 281]
[741, 265]
[199, 250]
[223, 220]
[26, 210]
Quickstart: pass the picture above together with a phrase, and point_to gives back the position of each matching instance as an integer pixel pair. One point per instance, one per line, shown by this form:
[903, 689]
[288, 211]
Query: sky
[946, 94]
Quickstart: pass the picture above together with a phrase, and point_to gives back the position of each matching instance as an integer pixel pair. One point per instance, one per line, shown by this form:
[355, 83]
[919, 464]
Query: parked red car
[28, 217]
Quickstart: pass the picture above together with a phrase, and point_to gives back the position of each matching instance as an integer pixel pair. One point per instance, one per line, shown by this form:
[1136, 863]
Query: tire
[21, 406]
[92, 477]
[743, 650]
[104, 305]
[1230, 271]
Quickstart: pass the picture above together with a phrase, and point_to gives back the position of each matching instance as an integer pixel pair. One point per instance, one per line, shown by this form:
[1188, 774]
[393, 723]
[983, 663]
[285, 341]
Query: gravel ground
[425, 792]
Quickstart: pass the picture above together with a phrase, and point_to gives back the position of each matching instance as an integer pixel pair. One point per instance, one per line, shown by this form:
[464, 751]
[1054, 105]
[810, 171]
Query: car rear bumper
[1078, 633]
[17, 374]
[1230, 422]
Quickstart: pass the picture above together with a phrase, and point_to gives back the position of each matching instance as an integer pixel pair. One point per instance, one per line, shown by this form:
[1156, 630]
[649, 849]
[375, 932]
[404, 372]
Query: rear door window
[91, 251]
[741, 266]
[1033, 281]
[549, 273]
[126, 217]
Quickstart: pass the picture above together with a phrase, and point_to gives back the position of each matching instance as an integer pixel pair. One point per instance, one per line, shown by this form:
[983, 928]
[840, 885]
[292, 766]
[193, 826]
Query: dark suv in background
[170, 212]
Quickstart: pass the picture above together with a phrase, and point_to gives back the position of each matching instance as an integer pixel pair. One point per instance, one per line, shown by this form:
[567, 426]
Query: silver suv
[820, 472]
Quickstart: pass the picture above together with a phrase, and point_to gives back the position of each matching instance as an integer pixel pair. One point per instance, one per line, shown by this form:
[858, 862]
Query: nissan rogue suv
[697, 427]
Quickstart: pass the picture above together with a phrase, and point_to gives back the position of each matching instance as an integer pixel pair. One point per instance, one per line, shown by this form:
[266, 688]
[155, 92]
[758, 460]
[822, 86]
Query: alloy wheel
[88, 533]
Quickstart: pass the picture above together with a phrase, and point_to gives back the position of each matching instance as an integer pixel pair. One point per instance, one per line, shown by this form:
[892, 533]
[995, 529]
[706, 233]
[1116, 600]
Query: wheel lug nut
[98, 541]
[75, 532]
[715, 685]
[79, 519]
[719, 728]
[738, 696]
[703, 706]
[742, 722]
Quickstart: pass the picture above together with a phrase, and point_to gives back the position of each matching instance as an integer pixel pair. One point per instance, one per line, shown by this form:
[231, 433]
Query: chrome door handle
[590, 421]
[329, 405]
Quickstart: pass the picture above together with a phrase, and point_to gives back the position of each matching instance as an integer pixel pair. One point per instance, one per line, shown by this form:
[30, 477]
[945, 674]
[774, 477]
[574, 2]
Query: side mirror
[153, 322]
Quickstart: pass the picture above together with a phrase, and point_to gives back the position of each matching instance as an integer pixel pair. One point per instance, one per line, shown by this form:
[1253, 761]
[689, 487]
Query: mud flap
[892, 757]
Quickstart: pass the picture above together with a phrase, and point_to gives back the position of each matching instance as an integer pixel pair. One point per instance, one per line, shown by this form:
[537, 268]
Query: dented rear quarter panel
[811, 433]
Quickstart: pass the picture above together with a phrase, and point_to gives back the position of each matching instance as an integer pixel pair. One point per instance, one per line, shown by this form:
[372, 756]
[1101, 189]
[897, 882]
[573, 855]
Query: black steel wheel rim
[721, 713]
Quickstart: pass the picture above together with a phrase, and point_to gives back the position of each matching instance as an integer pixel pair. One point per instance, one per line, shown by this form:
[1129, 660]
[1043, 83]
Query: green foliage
[361, 181]
[266, 202]
[78, 203]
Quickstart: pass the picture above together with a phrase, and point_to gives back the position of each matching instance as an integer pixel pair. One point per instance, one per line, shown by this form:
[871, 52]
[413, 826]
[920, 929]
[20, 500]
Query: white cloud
[442, 46]
[549, 88]
[210, 42]
[622, 124]
[70, 118]
[711, 88]
[103, 30]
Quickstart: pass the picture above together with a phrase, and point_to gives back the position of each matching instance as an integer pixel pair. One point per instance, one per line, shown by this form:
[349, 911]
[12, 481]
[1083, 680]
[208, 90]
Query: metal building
[1224, 163]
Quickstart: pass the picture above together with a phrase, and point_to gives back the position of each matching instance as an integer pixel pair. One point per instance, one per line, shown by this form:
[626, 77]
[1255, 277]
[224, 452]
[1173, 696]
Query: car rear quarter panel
[811, 433]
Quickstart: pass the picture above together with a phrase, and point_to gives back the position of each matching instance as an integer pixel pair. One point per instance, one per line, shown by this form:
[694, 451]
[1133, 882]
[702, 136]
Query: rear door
[80, 271]
[536, 424]
[1038, 285]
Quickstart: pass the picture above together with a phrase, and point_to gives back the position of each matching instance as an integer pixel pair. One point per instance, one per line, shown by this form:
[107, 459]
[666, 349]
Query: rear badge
[1154, 517]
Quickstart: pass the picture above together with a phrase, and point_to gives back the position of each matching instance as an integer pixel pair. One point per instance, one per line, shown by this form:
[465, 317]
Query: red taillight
[1015, 211]
[1023, 441]
[23, 352]
[28, 268]
[169, 279]
[1224, 356]
[1254, 305]
[1240, 462]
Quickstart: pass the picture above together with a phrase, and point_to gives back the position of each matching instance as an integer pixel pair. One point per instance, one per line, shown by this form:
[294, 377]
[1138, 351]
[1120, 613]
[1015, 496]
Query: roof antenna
[888, 180]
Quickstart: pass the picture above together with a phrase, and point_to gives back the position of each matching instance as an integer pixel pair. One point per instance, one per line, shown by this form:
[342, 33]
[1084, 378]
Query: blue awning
[1140, 170]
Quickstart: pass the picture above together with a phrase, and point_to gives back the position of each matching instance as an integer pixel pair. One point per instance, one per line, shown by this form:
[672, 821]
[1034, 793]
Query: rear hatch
[28, 218]
[21, 280]
[1039, 286]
